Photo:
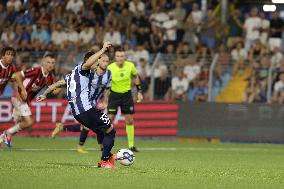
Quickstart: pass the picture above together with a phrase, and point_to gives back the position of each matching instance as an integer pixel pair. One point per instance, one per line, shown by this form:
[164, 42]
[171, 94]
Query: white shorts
[20, 109]
[274, 42]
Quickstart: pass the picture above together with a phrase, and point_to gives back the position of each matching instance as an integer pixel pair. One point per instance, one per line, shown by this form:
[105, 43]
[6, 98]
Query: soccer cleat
[82, 150]
[134, 149]
[7, 139]
[57, 130]
[105, 164]
[112, 159]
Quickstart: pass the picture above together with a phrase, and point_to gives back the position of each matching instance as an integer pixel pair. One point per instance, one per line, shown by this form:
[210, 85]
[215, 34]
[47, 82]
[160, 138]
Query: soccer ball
[125, 157]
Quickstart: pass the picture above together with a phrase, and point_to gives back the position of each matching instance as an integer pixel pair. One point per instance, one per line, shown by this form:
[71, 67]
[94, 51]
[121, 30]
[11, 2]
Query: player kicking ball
[85, 85]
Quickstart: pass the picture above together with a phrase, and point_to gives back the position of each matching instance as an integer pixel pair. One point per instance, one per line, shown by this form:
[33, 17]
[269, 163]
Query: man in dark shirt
[276, 28]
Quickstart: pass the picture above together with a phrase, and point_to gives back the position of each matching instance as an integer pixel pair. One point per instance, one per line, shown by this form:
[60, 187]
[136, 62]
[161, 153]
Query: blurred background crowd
[172, 43]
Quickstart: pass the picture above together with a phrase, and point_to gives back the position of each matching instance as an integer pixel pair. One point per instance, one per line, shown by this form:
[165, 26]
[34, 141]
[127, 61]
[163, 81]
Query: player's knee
[111, 131]
[29, 122]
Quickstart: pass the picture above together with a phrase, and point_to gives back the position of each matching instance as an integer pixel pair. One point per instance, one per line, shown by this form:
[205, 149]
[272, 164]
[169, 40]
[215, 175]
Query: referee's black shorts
[122, 100]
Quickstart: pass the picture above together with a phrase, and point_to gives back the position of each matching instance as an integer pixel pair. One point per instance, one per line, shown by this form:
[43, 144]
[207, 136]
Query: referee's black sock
[72, 128]
[108, 143]
[83, 136]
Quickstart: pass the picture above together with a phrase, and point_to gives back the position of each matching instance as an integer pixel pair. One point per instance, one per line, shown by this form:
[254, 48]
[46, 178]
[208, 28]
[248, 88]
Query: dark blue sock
[108, 143]
[72, 128]
[100, 138]
[83, 137]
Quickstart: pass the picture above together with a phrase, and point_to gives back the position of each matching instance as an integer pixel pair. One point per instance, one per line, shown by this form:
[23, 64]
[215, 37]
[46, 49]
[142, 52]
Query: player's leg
[59, 127]
[97, 121]
[83, 137]
[127, 108]
[23, 116]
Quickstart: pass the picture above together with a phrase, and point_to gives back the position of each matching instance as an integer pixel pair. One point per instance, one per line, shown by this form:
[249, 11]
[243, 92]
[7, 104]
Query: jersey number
[72, 85]
[105, 119]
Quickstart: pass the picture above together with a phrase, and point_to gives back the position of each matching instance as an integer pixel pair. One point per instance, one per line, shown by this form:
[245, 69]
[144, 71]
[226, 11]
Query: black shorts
[122, 100]
[95, 120]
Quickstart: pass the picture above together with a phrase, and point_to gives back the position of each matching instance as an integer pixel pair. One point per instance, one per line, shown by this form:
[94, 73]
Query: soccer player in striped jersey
[30, 82]
[7, 69]
[83, 87]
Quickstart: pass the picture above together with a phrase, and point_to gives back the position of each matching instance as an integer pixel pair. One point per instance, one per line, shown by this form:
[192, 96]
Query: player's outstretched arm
[59, 84]
[88, 64]
[18, 77]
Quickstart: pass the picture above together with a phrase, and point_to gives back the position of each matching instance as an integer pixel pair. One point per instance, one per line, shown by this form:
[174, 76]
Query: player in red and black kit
[30, 82]
[7, 69]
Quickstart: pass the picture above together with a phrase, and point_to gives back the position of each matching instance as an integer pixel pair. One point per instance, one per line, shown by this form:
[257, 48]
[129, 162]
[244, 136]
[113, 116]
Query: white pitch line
[160, 149]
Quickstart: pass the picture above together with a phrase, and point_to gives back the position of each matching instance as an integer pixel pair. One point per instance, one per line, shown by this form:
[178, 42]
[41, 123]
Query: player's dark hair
[7, 49]
[88, 55]
[119, 49]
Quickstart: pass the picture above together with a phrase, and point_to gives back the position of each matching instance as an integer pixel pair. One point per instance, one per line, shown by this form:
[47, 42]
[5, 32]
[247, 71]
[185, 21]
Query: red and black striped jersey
[5, 75]
[35, 80]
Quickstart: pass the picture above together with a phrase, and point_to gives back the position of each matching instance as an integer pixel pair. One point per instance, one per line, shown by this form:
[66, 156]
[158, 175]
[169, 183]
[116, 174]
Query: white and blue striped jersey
[98, 85]
[84, 88]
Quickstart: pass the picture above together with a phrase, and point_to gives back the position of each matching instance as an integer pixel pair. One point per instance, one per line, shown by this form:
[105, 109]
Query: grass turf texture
[45, 163]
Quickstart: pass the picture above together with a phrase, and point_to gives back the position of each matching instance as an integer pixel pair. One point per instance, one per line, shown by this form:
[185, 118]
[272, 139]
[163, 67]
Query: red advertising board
[152, 118]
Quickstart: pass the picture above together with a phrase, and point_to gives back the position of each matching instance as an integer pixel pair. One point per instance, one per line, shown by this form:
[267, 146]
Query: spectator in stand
[235, 22]
[191, 70]
[86, 36]
[58, 36]
[3, 15]
[276, 29]
[263, 69]
[265, 28]
[257, 51]
[208, 34]
[75, 6]
[8, 36]
[199, 93]
[11, 15]
[179, 14]
[141, 53]
[278, 93]
[162, 90]
[190, 35]
[136, 5]
[17, 4]
[239, 52]
[179, 86]
[224, 56]
[113, 35]
[276, 56]
[143, 66]
[251, 27]
[197, 16]
[156, 40]
[72, 37]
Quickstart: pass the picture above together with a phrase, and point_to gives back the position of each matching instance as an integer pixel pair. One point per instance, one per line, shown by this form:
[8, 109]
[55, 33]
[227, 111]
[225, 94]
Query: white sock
[13, 130]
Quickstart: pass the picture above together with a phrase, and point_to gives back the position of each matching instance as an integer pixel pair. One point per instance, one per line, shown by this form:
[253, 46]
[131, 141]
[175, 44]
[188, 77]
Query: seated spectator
[143, 66]
[113, 35]
[199, 92]
[156, 40]
[162, 85]
[239, 52]
[86, 36]
[191, 70]
[276, 29]
[58, 36]
[17, 4]
[179, 86]
[136, 5]
[75, 6]
[278, 93]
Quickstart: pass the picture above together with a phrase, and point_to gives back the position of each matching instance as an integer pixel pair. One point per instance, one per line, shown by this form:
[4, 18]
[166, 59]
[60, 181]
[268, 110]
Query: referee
[123, 72]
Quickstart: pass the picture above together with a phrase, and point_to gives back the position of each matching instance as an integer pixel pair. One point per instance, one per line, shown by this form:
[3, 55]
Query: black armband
[139, 88]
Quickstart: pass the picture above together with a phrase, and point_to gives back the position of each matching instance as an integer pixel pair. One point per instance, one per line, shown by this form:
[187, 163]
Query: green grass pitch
[39, 163]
